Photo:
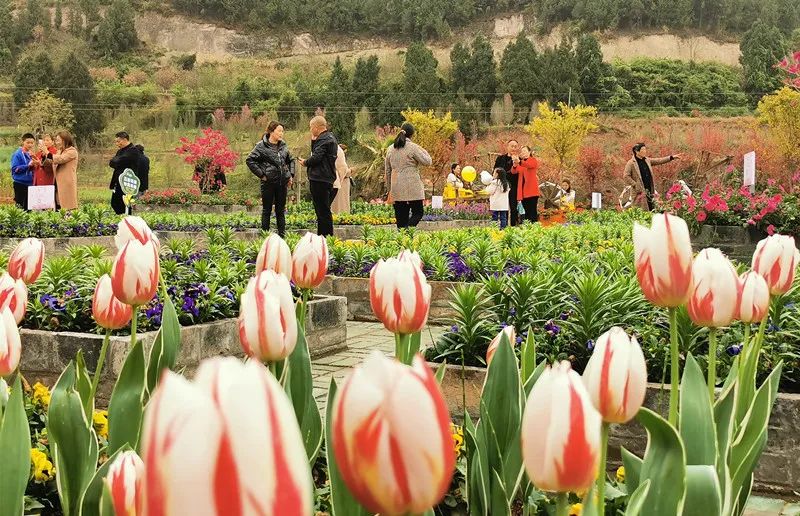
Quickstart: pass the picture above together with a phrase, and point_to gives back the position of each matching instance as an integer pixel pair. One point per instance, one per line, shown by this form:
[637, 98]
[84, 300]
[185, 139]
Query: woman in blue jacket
[22, 166]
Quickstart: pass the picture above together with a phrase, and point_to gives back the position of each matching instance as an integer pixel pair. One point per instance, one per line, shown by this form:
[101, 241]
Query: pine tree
[421, 83]
[74, 83]
[366, 82]
[481, 85]
[75, 22]
[242, 94]
[591, 69]
[558, 74]
[58, 20]
[518, 74]
[341, 114]
[6, 25]
[762, 47]
[459, 68]
[33, 74]
[117, 31]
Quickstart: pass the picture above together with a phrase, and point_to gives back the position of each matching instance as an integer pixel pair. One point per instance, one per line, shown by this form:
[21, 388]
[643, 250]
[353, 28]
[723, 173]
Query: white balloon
[486, 177]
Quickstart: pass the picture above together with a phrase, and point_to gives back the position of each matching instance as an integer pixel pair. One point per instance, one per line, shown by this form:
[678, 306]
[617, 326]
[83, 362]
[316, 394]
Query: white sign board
[597, 200]
[749, 169]
[437, 202]
[42, 197]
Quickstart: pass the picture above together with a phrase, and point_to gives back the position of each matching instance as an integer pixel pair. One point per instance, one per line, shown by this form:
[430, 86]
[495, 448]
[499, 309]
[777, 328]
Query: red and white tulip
[10, 344]
[400, 295]
[14, 296]
[124, 482]
[754, 302]
[275, 255]
[226, 443]
[714, 297]
[663, 257]
[776, 259]
[616, 376]
[509, 332]
[391, 436]
[108, 311]
[561, 432]
[412, 256]
[135, 272]
[267, 322]
[310, 261]
[25, 262]
[134, 228]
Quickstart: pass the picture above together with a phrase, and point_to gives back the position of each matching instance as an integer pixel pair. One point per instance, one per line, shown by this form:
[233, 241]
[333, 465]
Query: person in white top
[498, 191]
[453, 178]
[341, 203]
[566, 196]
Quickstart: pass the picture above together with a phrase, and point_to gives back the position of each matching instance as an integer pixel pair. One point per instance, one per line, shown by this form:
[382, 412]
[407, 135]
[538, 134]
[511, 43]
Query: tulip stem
[712, 362]
[601, 479]
[674, 374]
[562, 504]
[402, 351]
[100, 362]
[134, 324]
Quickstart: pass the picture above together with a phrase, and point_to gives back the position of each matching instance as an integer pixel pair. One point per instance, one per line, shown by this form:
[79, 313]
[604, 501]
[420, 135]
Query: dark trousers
[531, 205]
[21, 195]
[408, 213]
[512, 194]
[117, 202]
[333, 194]
[501, 216]
[273, 195]
[321, 196]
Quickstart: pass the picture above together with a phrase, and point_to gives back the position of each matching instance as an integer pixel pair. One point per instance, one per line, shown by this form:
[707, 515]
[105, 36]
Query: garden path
[364, 337]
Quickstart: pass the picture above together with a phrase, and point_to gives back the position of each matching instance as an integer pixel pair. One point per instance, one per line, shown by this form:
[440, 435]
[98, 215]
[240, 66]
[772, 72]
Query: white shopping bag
[42, 197]
[437, 202]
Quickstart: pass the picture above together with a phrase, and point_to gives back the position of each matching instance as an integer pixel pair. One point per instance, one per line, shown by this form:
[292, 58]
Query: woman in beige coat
[639, 173]
[65, 166]
[341, 203]
[403, 178]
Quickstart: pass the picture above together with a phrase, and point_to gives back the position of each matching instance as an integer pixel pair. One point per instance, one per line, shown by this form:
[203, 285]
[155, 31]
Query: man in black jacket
[127, 156]
[322, 172]
[507, 162]
[273, 164]
[144, 170]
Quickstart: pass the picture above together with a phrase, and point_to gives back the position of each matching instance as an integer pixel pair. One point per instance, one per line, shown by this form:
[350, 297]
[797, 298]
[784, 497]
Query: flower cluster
[181, 197]
[42, 469]
[791, 65]
[41, 396]
[210, 150]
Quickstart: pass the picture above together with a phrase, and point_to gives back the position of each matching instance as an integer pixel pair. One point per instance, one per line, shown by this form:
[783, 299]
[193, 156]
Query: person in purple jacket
[23, 163]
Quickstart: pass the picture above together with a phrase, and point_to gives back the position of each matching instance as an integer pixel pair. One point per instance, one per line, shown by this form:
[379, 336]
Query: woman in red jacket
[528, 184]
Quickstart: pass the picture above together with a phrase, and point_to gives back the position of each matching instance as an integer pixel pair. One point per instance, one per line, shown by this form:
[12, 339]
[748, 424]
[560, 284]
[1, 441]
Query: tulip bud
[3, 395]
[275, 255]
[134, 228]
[25, 262]
[400, 295]
[663, 257]
[616, 376]
[135, 272]
[714, 297]
[226, 443]
[109, 312]
[561, 432]
[754, 304]
[776, 259]
[509, 332]
[10, 344]
[124, 481]
[412, 256]
[14, 296]
[310, 261]
[267, 322]
[391, 436]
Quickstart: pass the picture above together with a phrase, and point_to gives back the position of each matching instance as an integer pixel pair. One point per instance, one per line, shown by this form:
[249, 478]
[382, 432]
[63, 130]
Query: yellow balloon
[469, 174]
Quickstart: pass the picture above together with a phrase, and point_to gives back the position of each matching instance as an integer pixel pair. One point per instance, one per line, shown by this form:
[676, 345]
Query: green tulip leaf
[15, 441]
[528, 357]
[703, 496]
[126, 409]
[637, 499]
[300, 389]
[166, 347]
[440, 372]
[83, 383]
[477, 466]
[697, 417]
[633, 469]
[664, 465]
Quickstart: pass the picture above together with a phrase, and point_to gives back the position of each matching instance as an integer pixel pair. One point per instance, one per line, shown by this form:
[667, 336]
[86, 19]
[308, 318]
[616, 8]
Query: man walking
[321, 166]
[127, 156]
[23, 163]
[144, 170]
[507, 162]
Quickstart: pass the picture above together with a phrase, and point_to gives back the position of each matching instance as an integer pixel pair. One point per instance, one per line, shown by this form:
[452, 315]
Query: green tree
[74, 84]
[518, 74]
[794, 41]
[761, 47]
[116, 34]
[241, 94]
[33, 74]
[44, 112]
[481, 84]
[591, 69]
[33, 15]
[341, 114]
[58, 19]
[459, 68]
[366, 82]
[421, 83]
[558, 73]
[7, 42]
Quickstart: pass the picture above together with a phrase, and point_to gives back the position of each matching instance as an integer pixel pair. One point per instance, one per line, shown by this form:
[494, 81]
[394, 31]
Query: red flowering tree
[212, 158]
[791, 65]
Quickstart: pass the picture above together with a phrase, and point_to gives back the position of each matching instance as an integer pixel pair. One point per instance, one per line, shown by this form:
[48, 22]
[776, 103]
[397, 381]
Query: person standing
[507, 162]
[143, 172]
[498, 197]
[528, 184]
[639, 172]
[341, 203]
[65, 169]
[43, 175]
[321, 166]
[273, 164]
[23, 163]
[127, 156]
[403, 177]
[566, 196]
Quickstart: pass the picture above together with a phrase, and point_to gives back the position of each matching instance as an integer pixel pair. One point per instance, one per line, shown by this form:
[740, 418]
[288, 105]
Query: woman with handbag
[273, 164]
[341, 203]
[65, 170]
[406, 190]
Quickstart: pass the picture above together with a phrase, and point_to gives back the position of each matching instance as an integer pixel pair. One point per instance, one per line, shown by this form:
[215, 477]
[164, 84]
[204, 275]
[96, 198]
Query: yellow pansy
[43, 469]
[575, 509]
[621, 474]
[100, 421]
[458, 438]
[41, 395]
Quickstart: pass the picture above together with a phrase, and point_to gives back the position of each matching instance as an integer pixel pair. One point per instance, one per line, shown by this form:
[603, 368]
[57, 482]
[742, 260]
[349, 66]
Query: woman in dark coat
[273, 164]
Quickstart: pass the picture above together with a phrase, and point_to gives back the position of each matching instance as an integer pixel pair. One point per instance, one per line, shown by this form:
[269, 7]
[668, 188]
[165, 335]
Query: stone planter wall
[356, 290]
[45, 354]
[737, 242]
[778, 471]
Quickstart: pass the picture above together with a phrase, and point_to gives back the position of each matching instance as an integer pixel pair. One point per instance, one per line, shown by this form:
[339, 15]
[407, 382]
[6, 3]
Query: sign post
[749, 178]
[129, 183]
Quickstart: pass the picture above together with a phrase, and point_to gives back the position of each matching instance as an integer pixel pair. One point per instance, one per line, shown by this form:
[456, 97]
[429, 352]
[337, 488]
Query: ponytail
[406, 132]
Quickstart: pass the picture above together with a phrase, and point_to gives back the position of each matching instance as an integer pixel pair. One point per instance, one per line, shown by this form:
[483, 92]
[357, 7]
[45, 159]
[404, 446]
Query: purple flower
[564, 316]
[454, 328]
[512, 312]
[590, 344]
[153, 313]
[458, 268]
[190, 306]
[503, 325]
[52, 302]
[519, 340]
[734, 350]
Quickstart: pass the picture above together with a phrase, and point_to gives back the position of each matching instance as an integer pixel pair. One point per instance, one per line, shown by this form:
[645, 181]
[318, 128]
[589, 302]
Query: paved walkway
[363, 338]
